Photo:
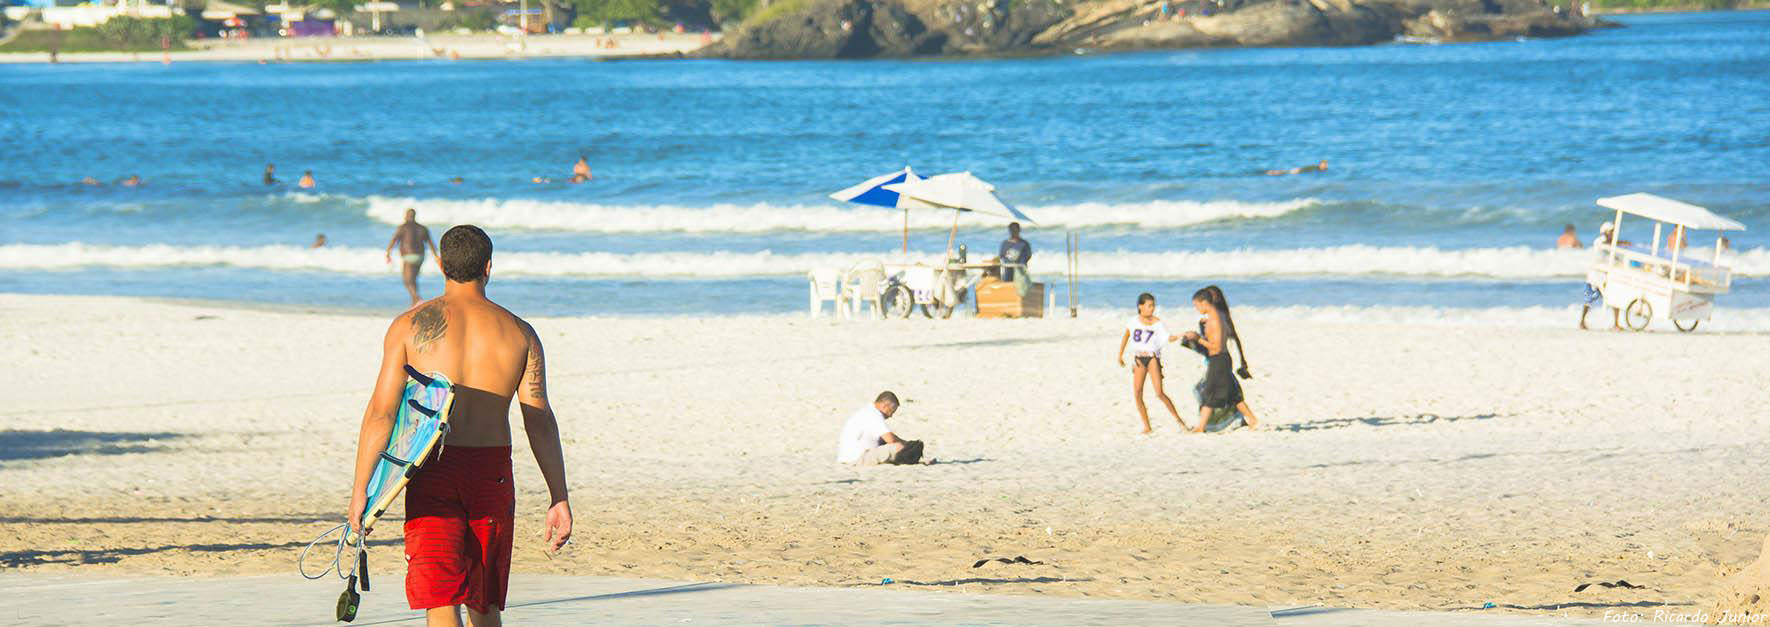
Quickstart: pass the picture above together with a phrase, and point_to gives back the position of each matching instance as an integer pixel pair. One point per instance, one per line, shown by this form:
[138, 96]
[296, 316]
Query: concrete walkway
[71, 599]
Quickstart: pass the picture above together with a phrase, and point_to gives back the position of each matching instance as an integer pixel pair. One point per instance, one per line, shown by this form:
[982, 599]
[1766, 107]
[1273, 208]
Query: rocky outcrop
[829, 29]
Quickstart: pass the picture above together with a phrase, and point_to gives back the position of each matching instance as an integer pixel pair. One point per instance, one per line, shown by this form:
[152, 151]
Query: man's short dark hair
[464, 252]
[887, 397]
[1014, 226]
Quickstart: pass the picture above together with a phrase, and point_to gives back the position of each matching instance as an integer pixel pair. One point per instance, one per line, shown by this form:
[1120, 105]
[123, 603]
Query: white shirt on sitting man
[860, 434]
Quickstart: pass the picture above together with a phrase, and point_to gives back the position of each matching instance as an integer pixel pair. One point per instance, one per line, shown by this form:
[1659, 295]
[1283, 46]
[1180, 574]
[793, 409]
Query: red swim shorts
[460, 508]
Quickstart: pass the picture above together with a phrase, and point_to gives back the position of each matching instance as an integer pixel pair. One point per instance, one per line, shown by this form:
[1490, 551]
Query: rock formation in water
[852, 29]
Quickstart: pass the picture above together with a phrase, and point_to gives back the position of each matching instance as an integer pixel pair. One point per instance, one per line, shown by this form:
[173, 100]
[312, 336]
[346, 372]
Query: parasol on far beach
[873, 192]
[961, 192]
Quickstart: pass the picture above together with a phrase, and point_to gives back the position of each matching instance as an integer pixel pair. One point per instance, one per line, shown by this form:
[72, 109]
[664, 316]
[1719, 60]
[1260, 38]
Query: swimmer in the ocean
[1319, 167]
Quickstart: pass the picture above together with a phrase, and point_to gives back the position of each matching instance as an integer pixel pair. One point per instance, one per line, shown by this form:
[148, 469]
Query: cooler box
[998, 299]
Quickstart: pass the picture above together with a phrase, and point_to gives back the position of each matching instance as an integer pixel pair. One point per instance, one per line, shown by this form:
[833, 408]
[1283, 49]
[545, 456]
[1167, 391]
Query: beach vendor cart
[937, 288]
[1663, 276]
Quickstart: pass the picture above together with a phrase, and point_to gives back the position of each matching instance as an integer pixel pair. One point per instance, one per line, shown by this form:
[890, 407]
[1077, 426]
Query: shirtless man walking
[411, 238]
[460, 507]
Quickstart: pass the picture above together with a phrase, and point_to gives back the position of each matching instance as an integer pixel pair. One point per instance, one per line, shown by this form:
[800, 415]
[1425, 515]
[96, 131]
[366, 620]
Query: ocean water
[1452, 171]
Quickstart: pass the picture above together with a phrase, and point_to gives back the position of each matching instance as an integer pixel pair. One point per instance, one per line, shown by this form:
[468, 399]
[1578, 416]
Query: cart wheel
[1686, 329]
[1638, 314]
[898, 301]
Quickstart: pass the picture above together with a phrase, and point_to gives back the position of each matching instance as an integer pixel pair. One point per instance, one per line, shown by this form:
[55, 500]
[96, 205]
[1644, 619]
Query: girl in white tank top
[1146, 335]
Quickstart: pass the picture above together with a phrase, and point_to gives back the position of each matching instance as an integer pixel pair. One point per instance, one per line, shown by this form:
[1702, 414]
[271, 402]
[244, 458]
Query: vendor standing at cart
[1013, 257]
[1593, 296]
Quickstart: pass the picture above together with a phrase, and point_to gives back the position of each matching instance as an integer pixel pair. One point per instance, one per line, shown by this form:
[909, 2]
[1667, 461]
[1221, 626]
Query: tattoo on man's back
[428, 325]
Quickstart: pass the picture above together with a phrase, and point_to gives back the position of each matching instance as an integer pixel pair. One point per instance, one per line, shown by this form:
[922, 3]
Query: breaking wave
[1516, 263]
[767, 218]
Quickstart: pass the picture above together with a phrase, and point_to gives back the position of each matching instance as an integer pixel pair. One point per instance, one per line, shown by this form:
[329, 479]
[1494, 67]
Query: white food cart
[1663, 276]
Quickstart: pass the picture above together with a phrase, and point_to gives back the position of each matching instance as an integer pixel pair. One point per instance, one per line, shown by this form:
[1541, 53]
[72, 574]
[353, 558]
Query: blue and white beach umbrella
[872, 192]
[960, 191]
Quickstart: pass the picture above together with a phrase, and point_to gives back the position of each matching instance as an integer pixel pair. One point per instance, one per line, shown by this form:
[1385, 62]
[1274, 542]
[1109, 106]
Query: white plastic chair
[861, 285]
[826, 284]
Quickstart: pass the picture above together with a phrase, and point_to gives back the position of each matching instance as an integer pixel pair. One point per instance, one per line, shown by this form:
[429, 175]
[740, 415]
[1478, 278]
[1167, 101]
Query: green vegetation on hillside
[777, 10]
[628, 12]
[118, 34]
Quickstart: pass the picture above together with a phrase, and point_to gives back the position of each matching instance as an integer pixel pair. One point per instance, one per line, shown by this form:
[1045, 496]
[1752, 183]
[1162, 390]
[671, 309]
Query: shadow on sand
[18, 445]
[75, 557]
[990, 580]
[1376, 421]
[136, 520]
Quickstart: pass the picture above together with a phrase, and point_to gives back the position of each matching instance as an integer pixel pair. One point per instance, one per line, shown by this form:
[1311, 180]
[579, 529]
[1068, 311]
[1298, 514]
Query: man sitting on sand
[460, 507]
[866, 441]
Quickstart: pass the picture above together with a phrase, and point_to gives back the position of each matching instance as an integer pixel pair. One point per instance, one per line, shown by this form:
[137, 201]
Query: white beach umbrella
[961, 192]
[873, 192]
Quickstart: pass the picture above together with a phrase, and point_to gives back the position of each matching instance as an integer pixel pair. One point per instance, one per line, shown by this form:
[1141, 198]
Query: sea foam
[828, 218]
[1502, 264]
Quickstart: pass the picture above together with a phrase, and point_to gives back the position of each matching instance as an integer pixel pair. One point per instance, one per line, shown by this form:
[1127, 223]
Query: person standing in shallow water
[411, 238]
[581, 170]
[1569, 238]
[1221, 390]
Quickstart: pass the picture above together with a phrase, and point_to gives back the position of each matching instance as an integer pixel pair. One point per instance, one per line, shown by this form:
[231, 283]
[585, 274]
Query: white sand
[699, 448]
[435, 46]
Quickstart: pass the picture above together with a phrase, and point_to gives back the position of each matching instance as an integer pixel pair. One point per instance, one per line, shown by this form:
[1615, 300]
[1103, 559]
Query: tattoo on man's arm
[537, 370]
[428, 325]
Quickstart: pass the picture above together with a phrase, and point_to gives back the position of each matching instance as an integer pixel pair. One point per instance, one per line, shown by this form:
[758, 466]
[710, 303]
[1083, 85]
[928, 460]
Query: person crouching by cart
[1220, 389]
[1146, 334]
[1594, 296]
